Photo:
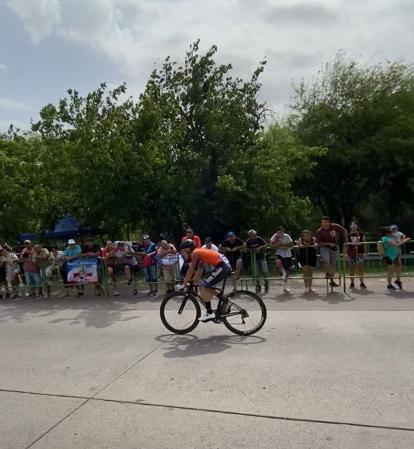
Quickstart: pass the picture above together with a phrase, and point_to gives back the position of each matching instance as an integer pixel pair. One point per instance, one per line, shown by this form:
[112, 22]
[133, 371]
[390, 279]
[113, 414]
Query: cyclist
[220, 272]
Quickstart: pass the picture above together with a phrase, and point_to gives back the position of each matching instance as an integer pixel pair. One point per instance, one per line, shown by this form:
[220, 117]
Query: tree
[206, 129]
[364, 116]
[96, 173]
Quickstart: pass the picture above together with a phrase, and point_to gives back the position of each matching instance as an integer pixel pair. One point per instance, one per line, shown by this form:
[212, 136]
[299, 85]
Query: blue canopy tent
[66, 228]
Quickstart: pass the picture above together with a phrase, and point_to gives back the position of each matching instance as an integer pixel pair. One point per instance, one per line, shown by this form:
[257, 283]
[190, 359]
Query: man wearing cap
[72, 252]
[233, 249]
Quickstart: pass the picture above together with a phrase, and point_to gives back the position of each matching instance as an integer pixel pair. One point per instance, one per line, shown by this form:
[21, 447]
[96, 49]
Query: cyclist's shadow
[178, 346]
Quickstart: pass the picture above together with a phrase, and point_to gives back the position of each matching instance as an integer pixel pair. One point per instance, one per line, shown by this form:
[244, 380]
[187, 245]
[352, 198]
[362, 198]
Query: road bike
[241, 311]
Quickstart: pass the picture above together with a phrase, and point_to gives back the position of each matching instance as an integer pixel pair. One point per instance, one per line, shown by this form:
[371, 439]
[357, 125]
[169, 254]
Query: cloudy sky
[48, 46]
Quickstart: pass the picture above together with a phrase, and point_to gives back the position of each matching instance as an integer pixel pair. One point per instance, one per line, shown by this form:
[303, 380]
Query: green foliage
[194, 150]
[364, 116]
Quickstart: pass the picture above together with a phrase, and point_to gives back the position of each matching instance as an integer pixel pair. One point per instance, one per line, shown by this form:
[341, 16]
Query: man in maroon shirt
[329, 236]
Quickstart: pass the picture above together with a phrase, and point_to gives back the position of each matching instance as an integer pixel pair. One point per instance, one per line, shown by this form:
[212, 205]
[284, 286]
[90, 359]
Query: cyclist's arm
[191, 269]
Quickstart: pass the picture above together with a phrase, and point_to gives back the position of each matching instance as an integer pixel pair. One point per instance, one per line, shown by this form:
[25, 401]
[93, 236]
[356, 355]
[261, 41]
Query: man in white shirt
[283, 244]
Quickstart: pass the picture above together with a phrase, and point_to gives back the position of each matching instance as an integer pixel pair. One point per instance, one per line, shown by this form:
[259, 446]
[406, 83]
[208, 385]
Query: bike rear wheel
[180, 312]
[245, 312]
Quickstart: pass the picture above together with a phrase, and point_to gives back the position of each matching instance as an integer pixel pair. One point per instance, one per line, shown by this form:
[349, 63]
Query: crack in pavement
[85, 399]
[199, 409]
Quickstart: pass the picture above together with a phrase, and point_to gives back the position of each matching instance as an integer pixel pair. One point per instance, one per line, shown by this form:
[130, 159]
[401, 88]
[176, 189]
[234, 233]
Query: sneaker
[286, 290]
[398, 283]
[391, 287]
[352, 285]
[363, 286]
[116, 293]
[207, 316]
[332, 283]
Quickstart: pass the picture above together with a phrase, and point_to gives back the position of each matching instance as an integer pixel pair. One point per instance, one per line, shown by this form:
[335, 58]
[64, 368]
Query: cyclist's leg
[207, 290]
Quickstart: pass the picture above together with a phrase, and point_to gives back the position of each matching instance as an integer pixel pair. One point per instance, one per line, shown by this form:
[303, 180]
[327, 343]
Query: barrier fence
[92, 275]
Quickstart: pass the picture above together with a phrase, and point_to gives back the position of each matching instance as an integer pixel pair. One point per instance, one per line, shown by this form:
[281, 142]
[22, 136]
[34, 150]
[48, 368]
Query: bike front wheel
[180, 312]
[245, 312]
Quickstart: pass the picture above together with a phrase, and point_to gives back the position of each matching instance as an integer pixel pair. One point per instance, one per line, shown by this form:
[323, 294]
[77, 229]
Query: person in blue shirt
[391, 257]
[73, 251]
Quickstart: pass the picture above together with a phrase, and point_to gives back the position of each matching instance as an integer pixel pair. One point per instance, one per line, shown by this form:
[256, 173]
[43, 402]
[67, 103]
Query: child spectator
[306, 244]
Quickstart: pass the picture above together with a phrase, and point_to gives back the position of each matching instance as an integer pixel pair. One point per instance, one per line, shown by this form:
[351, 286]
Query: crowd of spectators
[36, 268]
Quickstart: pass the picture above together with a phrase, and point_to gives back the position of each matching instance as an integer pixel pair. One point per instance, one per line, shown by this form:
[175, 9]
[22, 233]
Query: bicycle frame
[222, 302]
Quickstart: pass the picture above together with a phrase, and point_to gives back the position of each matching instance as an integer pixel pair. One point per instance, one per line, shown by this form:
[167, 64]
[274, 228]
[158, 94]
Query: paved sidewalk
[334, 371]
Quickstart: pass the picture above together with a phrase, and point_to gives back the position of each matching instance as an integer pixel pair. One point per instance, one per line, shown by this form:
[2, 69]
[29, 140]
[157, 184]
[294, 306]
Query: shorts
[328, 255]
[389, 261]
[355, 260]
[286, 262]
[220, 273]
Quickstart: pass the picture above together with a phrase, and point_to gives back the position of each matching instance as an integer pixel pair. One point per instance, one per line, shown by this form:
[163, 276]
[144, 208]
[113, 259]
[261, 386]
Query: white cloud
[295, 36]
[14, 105]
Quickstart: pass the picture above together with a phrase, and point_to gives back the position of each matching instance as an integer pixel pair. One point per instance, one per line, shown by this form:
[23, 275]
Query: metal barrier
[374, 266]
[253, 275]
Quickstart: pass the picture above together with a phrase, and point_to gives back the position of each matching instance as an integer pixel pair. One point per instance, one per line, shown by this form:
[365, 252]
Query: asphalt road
[330, 371]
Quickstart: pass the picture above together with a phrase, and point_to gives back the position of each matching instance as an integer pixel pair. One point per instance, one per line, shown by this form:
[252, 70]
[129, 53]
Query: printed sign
[82, 271]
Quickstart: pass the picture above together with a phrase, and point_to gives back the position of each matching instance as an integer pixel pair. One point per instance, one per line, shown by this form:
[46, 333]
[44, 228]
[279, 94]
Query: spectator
[233, 248]
[391, 256]
[72, 252]
[149, 264]
[126, 258]
[110, 258]
[283, 244]
[256, 245]
[398, 236]
[306, 244]
[167, 255]
[91, 249]
[42, 259]
[3, 277]
[57, 263]
[355, 255]
[208, 244]
[329, 236]
[189, 235]
[12, 270]
[30, 268]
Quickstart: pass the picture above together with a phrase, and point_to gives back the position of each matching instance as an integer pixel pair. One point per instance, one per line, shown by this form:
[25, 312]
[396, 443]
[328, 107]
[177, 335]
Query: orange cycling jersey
[208, 256]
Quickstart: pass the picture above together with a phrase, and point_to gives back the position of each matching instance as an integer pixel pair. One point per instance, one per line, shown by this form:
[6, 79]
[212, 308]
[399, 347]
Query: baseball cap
[393, 227]
[27, 241]
[71, 242]
[145, 237]
[231, 234]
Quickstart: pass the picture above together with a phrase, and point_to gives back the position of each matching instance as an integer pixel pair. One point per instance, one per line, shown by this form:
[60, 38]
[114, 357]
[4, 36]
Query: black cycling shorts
[220, 272]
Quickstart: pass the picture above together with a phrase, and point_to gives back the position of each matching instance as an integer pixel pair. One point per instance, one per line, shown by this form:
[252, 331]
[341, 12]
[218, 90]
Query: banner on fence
[82, 271]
